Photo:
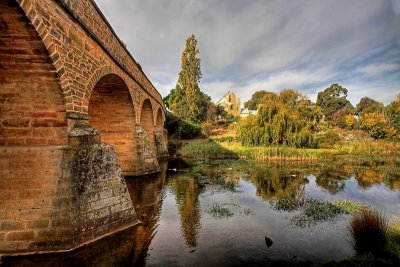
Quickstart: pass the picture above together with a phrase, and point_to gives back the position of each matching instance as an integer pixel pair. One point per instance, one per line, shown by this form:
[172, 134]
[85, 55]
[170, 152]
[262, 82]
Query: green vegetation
[393, 113]
[206, 150]
[333, 99]
[256, 98]
[219, 211]
[228, 148]
[368, 105]
[180, 129]
[376, 242]
[349, 206]
[369, 148]
[314, 210]
[393, 237]
[281, 120]
[186, 100]
[276, 153]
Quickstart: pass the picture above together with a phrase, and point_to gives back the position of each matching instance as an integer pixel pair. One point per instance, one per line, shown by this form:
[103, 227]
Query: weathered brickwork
[88, 13]
[111, 113]
[77, 57]
[76, 114]
[161, 134]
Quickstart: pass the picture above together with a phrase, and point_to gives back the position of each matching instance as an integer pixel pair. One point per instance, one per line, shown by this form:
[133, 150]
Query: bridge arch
[112, 113]
[37, 24]
[147, 119]
[159, 122]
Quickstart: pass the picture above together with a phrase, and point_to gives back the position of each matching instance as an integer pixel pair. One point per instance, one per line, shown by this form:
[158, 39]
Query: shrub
[377, 125]
[327, 139]
[368, 231]
[178, 128]
[344, 118]
[206, 129]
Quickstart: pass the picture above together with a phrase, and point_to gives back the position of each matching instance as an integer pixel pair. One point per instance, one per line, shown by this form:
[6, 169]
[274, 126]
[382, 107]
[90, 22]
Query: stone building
[231, 103]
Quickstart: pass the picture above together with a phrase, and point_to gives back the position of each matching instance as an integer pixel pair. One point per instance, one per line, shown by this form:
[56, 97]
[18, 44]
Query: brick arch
[95, 78]
[112, 113]
[147, 119]
[159, 120]
[32, 103]
[42, 32]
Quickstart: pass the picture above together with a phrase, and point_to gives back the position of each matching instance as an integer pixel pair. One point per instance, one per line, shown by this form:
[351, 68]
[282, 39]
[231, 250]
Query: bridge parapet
[90, 16]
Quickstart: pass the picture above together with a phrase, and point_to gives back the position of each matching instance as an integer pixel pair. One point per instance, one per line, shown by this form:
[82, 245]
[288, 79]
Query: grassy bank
[205, 149]
[368, 148]
[230, 149]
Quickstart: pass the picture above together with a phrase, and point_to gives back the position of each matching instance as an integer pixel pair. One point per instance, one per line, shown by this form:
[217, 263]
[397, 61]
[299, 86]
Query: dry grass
[368, 230]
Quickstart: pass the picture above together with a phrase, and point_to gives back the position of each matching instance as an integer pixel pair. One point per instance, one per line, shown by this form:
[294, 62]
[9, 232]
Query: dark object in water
[268, 241]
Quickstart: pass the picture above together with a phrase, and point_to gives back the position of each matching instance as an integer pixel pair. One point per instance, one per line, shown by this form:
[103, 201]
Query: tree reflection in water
[186, 190]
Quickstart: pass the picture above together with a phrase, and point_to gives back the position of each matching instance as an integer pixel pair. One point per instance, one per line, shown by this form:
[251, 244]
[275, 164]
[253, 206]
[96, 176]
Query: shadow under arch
[159, 123]
[112, 113]
[147, 120]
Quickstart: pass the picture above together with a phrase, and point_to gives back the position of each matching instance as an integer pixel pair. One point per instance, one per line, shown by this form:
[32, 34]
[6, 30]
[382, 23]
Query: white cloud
[257, 44]
[379, 68]
[286, 79]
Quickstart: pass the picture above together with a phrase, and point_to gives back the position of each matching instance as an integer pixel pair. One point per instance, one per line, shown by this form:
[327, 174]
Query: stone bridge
[77, 114]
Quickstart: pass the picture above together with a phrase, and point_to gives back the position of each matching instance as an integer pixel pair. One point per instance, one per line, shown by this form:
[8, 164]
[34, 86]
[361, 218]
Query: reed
[369, 148]
[231, 149]
[368, 230]
[206, 150]
[276, 153]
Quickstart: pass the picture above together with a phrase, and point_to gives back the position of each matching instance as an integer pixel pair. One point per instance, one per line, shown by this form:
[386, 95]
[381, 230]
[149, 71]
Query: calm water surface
[227, 213]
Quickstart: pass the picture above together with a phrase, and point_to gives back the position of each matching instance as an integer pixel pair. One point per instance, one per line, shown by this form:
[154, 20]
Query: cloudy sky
[249, 45]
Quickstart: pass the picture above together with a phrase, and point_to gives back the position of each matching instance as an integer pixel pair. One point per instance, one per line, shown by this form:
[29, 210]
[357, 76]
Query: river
[234, 213]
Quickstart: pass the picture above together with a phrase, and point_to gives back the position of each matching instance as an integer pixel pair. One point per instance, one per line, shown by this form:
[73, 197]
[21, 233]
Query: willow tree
[279, 121]
[186, 100]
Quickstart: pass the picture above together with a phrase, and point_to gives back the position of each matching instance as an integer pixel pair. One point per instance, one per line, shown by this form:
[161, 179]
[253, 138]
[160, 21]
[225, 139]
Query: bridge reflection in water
[130, 246]
[125, 248]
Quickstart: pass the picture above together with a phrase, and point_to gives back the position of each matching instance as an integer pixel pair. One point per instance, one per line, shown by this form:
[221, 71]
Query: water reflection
[186, 190]
[147, 197]
[279, 181]
[179, 229]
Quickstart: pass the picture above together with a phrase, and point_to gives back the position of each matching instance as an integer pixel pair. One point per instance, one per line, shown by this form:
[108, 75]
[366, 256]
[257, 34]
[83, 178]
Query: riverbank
[228, 148]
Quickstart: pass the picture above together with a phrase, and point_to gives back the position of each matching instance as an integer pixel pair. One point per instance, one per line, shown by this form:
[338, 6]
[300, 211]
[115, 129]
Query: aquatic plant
[349, 206]
[368, 230]
[314, 210]
[219, 211]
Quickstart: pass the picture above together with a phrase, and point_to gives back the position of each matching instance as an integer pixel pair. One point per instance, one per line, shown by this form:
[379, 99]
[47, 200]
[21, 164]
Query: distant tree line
[284, 118]
[290, 118]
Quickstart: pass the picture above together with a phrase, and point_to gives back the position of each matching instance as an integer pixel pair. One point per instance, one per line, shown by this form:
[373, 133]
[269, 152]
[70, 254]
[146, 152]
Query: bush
[377, 125]
[180, 129]
[368, 231]
[327, 139]
[206, 129]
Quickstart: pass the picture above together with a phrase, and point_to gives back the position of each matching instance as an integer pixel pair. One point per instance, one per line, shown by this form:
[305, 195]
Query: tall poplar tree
[186, 100]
